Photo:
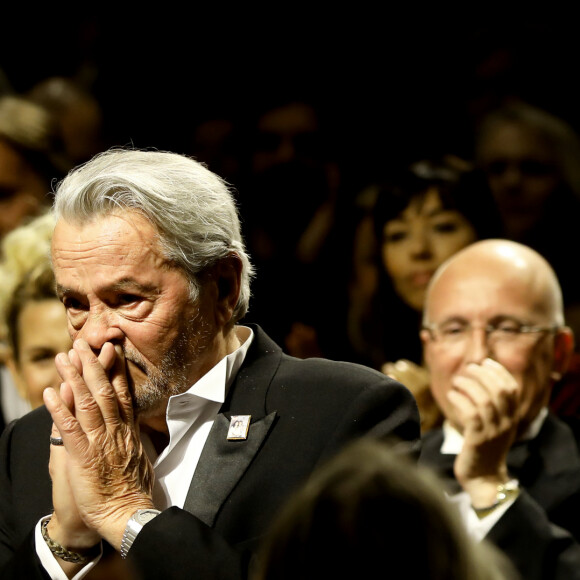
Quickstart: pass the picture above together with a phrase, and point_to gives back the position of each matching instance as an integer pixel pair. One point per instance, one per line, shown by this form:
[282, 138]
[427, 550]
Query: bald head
[508, 263]
[490, 285]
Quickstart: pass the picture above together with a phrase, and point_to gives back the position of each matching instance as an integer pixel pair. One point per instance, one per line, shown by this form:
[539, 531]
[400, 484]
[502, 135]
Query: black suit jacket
[548, 468]
[303, 412]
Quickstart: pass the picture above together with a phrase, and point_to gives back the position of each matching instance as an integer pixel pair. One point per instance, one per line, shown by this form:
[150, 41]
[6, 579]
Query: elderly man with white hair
[178, 431]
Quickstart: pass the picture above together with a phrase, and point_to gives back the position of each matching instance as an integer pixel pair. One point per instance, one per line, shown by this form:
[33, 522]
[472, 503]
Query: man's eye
[508, 328]
[128, 298]
[72, 304]
[453, 329]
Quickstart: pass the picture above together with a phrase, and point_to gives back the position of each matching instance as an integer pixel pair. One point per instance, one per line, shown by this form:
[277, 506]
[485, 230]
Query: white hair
[192, 208]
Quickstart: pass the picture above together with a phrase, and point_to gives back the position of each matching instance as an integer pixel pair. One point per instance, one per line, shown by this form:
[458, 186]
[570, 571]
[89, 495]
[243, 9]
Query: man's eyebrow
[124, 284]
[63, 290]
[131, 283]
[454, 318]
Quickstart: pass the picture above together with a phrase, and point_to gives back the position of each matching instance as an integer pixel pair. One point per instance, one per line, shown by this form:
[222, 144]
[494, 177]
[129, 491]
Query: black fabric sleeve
[177, 545]
[539, 549]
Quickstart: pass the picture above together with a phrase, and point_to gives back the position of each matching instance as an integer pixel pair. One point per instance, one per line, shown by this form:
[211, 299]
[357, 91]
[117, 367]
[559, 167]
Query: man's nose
[477, 347]
[99, 328]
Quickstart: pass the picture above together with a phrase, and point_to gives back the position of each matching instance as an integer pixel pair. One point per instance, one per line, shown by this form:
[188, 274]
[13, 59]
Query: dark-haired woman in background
[422, 216]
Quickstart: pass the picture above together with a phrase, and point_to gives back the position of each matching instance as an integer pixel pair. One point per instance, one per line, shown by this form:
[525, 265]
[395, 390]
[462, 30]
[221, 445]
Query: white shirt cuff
[478, 528]
[49, 562]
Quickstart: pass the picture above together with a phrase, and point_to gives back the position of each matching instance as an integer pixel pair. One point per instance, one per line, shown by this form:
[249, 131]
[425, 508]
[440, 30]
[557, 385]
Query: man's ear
[425, 336]
[563, 351]
[227, 275]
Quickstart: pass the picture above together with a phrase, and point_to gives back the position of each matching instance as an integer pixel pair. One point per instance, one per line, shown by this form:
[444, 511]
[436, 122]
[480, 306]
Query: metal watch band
[504, 493]
[134, 526]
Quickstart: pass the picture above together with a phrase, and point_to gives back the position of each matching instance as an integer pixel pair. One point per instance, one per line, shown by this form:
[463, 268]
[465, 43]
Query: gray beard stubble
[171, 377]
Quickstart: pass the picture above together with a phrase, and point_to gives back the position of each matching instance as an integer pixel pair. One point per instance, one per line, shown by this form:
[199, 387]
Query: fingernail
[401, 365]
[48, 394]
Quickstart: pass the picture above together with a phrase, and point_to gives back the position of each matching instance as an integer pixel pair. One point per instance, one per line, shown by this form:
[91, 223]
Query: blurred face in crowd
[415, 243]
[41, 334]
[284, 135]
[522, 173]
[22, 191]
[482, 290]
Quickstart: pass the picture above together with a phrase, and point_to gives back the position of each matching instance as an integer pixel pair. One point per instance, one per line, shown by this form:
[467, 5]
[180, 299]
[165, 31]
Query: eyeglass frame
[523, 329]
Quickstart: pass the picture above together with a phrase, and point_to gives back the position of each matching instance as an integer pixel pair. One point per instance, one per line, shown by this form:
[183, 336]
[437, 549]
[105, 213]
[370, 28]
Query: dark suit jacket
[548, 468]
[303, 411]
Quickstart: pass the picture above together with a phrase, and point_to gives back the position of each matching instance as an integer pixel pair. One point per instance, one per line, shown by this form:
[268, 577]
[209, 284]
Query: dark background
[390, 84]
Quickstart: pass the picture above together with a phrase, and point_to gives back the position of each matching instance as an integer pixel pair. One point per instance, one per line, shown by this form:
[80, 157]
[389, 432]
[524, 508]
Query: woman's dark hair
[460, 186]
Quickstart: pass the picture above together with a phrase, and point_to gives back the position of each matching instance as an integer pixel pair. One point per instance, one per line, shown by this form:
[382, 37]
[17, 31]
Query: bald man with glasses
[495, 342]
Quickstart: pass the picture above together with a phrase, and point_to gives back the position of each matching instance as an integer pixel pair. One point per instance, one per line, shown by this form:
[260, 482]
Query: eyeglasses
[505, 331]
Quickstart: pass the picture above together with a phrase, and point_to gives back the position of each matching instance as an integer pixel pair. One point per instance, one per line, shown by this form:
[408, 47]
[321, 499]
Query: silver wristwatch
[134, 526]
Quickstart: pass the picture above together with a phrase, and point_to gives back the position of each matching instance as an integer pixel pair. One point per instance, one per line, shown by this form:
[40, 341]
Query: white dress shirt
[190, 417]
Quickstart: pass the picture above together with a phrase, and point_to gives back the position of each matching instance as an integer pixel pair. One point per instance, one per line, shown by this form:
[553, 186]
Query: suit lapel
[221, 465]
[222, 462]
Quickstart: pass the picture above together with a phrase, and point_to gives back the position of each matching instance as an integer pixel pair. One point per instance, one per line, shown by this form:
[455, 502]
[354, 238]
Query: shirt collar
[214, 385]
[453, 439]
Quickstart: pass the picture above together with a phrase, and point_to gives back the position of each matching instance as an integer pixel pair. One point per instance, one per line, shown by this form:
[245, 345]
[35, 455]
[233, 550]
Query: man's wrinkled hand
[107, 469]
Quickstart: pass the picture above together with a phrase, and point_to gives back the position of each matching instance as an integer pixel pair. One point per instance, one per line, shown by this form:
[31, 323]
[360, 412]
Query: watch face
[145, 516]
